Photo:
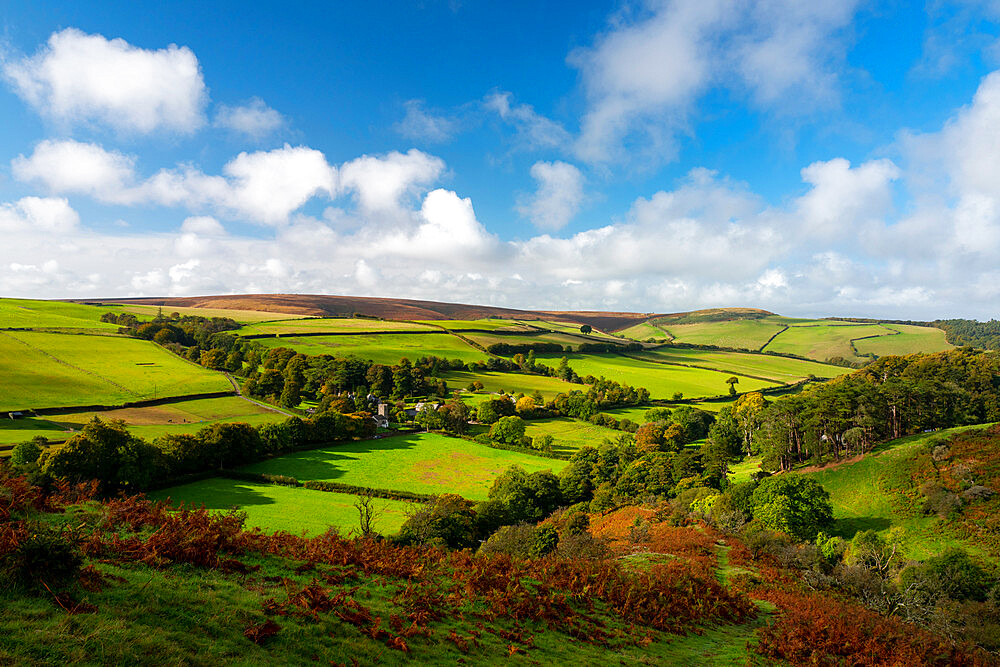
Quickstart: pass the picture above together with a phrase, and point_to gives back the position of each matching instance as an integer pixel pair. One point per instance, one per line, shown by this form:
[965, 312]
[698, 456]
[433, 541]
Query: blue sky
[824, 158]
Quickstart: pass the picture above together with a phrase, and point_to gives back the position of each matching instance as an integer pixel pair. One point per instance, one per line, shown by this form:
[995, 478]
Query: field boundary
[150, 402]
[783, 329]
[703, 368]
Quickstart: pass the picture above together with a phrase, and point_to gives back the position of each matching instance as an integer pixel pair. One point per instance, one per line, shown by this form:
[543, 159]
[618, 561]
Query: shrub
[47, 557]
[28, 452]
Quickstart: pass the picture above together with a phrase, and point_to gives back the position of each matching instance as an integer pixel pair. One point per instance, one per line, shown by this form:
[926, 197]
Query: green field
[512, 383]
[55, 370]
[296, 510]
[491, 324]
[422, 463]
[487, 339]
[860, 501]
[13, 431]
[739, 334]
[909, 340]
[231, 313]
[328, 324]
[645, 331]
[26, 313]
[824, 341]
[569, 327]
[661, 380]
[569, 435]
[779, 369]
[381, 348]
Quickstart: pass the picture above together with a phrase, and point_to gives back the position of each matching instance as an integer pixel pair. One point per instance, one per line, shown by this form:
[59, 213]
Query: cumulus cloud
[254, 119]
[558, 197]
[420, 124]
[843, 198]
[81, 78]
[39, 214]
[379, 182]
[264, 186]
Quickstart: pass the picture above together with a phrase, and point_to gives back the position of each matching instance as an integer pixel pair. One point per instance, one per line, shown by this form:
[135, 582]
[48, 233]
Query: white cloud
[533, 131]
[379, 182]
[81, 78]
[842, 198]
[420, 124]
[254, 119]
[558, 198]
[39, 214]
[69, 166]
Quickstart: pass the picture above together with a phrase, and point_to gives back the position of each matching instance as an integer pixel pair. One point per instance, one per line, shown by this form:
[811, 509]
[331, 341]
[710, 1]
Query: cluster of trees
[186, 330]
[121, 461]
[510, 349]
[984, 335]
[889, 398]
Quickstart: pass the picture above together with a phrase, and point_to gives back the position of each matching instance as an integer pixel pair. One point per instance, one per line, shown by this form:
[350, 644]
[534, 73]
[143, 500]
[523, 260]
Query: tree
[526, 406]
[508, 430]
[109, 453]
[450, 521]
[732, 382]
[368, 512]
[28, 452]
[793, 504]
[586, 329]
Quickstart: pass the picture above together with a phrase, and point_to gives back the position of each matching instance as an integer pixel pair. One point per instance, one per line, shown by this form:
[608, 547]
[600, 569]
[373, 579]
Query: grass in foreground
[271, 507]
[422, 463]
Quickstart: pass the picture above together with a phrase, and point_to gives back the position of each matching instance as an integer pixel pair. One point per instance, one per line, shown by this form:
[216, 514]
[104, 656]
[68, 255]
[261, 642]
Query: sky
[823, 158]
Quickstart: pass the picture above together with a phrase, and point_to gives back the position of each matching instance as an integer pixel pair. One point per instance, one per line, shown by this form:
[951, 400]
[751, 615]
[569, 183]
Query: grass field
[740, 334]
[26, 313]
[569, 435]
[487, 339]
[231, 313]
[55, 370]
[328, 324]
[13, 431]
[823, 341]
[512, 383]
[296, 510]
[570, 327]
[644, 331]
[861, 503]
[422, 463]
[491, 324]
[909, 340]
[662, 380]
[779, 369]
[382, 348]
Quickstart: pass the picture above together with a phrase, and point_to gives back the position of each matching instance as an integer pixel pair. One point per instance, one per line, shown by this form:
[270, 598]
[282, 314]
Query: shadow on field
[328, 464]
[847, 528]
[219, 494]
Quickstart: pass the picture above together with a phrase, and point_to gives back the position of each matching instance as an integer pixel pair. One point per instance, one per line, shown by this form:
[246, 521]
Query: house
[15, 415]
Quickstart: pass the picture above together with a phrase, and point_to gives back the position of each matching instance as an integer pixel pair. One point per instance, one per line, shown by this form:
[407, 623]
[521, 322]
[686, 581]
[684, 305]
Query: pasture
[662, 380]
[824, 341]
[569, 435]
[27, 313]
[13, 431]
[328, 325]
[422, 463]
[487, 339]
[381, 348]
[909, 340]
[512, 383]
[779, 369]
[570, 328]
[232, 313]
[57, 370]
[645, 331]
[738, 334]
[491, 324]
[295, 510]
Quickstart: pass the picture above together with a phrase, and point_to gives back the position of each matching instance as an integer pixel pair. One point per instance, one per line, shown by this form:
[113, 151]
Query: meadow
[328, 324]
[381, 348]
[644, 331]
[491, 324]
[296, 510]
[909, 340]
[421, 463]
[662, 380]
[511, 383]
[570, 328]
[231, 313]
[27, 313]
[779, 369]
[487, 339]
[739, 334]
[824, 341]
[569, 435]
[54, 370]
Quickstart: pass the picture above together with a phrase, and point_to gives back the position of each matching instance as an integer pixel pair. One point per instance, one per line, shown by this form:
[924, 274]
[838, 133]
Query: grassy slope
[486, 339]
[328, 324]
[510, 382]
[823, 341]
[423, 463]
[296, 510]
[18, 313]
[382, 348]
[910, 340]
[93, 366]
[741, 334]
[568, 434]
[779, 369]
[231, 313]
[661, 380]
[480, 325]
[643, 331]
[861, 500]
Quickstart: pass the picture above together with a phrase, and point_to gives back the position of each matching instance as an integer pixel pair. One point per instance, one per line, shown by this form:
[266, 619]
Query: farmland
[909, 340]
[779, 369]
[824, 341]
[739, 334]
[487, 339]
[645, 331]
[662, 380]
[25, 313]
[421, 463]
[381, 348]
[296, 510]
[509, 382]
[53, 370]
[568, 435]
[328, 325]
[473, 325]
[238, 315]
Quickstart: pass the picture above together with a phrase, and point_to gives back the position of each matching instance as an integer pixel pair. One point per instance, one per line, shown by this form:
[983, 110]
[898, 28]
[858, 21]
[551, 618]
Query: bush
[28, 452]
[48, 557]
